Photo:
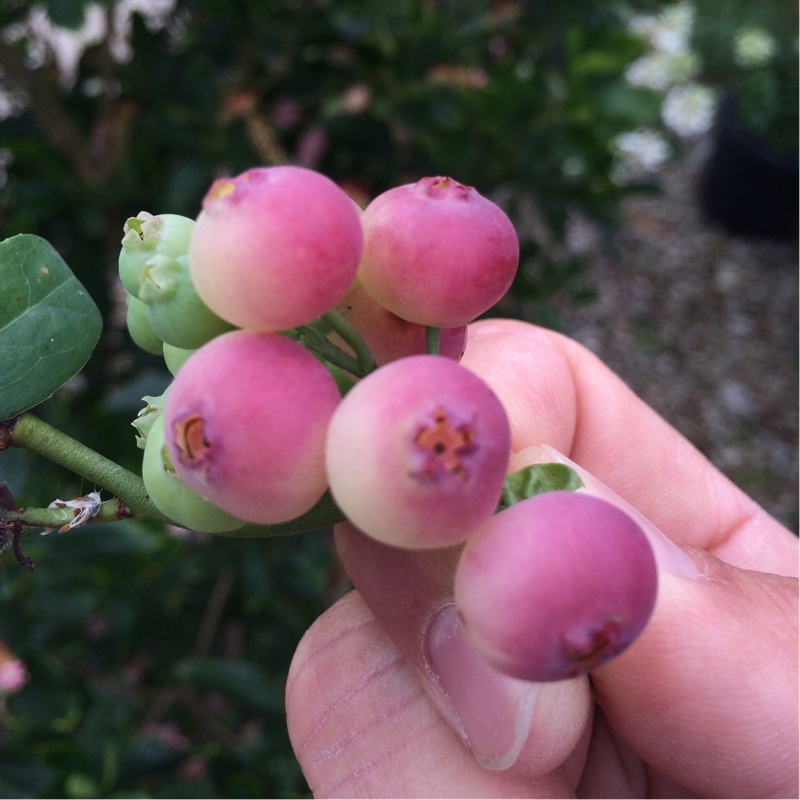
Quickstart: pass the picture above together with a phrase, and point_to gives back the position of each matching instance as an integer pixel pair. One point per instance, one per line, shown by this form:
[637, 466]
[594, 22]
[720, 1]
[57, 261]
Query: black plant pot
[747, 187]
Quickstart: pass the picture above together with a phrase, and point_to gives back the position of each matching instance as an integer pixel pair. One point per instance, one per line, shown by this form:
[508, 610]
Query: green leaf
[49, 324]
[536, 479]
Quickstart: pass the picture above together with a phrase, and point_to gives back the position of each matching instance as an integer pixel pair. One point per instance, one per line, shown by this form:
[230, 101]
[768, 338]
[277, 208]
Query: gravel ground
[704, 327]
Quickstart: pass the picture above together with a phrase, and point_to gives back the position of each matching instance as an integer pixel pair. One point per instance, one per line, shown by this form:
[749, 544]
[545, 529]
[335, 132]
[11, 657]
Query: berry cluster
[315, 349]
[297, 329]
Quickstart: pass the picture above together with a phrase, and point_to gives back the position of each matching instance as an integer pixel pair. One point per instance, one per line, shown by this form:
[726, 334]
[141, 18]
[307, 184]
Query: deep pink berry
[245, 424]
[556, 585]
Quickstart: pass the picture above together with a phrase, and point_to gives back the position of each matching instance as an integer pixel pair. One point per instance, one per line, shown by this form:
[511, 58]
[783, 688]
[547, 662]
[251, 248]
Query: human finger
[557, 393]
[364, 721]
[708, 692]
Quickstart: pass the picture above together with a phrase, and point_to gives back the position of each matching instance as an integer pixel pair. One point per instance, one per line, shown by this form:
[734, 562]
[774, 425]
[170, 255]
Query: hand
[387, 697]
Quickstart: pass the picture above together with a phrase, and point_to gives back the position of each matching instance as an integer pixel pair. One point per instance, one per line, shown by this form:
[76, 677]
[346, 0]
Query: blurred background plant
[698, 50]
[670, 67]
[141, 662]
[752, 50]
[523, 96]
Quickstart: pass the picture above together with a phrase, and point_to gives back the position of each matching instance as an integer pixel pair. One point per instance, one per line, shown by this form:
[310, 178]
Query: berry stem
[364, 357]
[315, 341]
[34, 434]
[131, 499]
[111, 510]
[432, 338]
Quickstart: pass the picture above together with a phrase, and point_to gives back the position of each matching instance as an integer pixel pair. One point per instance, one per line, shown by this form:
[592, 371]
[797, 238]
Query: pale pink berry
[275, 247]
[437, 252]
[416, 452]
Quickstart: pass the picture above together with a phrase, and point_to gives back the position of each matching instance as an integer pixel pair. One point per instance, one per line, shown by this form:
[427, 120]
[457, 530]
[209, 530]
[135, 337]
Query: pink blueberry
[416, 452]
[388, 336]
[556, 585]
[437, 252]
[275, 247]
[245, 424]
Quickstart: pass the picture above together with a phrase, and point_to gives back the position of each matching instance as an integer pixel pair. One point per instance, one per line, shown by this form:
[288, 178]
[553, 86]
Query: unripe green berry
[175, 356]
[143, 423]
[146, 235]
[177, 314]
[140, 329]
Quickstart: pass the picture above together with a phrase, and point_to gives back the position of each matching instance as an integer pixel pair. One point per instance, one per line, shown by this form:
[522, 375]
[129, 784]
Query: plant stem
[432, 339]
[324, 514]
[131, 499]
[37, 436]
[364, 357]
[108, 511]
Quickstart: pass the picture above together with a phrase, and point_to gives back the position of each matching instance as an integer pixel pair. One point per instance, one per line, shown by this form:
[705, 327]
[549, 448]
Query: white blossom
[668, 31]
[689, 109]
[753, 47]
[12, 101]
[659, 69]
[156, 14]
[638, 153]
[46, 41]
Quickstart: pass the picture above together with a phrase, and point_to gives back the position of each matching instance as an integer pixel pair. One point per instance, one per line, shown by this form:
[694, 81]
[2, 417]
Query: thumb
[708, 693]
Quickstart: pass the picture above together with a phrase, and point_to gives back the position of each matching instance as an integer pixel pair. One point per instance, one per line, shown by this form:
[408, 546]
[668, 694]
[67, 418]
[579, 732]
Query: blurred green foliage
[156, 662]
[764, 80]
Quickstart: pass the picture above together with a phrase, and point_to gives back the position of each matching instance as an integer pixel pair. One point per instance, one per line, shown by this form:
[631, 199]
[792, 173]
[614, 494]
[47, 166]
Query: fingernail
[490, 711]
[668, 555]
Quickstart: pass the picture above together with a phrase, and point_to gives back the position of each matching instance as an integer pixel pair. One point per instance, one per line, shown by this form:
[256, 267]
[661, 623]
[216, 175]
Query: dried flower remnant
[444, 446]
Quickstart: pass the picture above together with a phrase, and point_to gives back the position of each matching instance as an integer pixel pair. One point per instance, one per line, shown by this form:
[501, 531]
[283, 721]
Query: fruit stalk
[34, 434]
[314, 339]
[111, 510]
[131, 499]
[364, 356]
[432, 340]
